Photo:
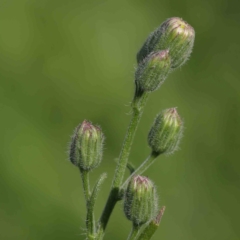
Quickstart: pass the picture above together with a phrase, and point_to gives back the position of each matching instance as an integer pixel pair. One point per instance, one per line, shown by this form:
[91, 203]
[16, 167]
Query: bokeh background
[63, 61]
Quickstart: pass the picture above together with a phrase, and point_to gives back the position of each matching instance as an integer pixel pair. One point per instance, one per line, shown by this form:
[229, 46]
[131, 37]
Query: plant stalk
[90, 222]
[142, 168]
[137, 107]
[134, 232]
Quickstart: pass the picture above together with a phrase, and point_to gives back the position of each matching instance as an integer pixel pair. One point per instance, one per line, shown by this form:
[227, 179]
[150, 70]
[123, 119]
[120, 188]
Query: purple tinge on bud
[152, 72]
[141, 201]
[86, 146]
[166, 132]
[174, 34]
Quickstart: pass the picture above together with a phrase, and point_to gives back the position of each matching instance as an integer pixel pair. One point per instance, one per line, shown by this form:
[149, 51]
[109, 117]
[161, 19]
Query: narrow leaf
[95, 191]
[151, 227]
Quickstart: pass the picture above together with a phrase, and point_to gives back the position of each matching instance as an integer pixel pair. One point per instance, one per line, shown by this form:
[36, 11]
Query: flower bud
[152, 72]
[87, 146]
[166, 132]
[175, 35]
[141, 202]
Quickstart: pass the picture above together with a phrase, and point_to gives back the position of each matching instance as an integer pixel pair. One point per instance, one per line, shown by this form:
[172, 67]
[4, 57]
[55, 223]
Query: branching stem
[138, 104]
[143, 167]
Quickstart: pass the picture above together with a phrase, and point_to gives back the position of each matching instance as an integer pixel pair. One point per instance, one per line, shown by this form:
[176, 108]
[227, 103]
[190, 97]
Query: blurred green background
[63, 61]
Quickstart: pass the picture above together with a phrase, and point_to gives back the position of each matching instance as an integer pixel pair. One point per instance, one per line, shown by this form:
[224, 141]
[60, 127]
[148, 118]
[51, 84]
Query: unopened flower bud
[175, 35]
[152, 72]
[141, 201]
[87, 146]
[166, 132]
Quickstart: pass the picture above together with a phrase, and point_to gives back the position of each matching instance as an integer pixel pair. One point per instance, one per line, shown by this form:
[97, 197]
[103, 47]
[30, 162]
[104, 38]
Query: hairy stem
[142, 168]
[123, 158]
[90, 223]
[134, 232]
[86, 184]
[137, 107]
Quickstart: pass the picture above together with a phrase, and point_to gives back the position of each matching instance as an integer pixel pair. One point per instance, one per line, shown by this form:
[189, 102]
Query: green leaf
[151, 227]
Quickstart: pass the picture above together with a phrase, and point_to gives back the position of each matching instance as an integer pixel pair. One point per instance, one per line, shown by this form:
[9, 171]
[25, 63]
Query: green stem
[142, 168]
[137, 107]
[134, 232]
[90, 223]
[91, 204]
[127, 144]
[95, 191]
[130, 167]
[111, 202]
[86, 184]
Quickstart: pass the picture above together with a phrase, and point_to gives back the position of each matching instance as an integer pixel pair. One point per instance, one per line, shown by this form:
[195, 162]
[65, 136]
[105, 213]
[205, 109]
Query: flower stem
[134, 232]
[86, 184]
[137, 107]
[142, 168]
[123, 158]
[90, 223]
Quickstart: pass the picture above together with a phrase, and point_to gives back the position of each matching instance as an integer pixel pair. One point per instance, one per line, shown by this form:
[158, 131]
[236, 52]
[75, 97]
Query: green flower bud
[152, 72]
[166, 132]
[175, 35]
[140, 202]
[86, 147]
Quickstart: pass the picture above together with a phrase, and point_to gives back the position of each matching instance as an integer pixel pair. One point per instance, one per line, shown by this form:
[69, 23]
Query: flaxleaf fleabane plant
[165, 50]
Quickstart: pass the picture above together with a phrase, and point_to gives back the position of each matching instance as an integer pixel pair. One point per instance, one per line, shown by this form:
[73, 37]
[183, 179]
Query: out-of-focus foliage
[63, 61]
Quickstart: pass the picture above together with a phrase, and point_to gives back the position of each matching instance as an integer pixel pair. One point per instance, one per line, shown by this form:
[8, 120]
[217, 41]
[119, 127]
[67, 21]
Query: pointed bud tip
[173, 113]
[88, 126]
[141, 181]
[179, 26]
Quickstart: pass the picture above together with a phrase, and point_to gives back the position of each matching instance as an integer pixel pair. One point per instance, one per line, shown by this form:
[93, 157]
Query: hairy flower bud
[175, 35]
[152, 72]
[87, 146]
[166, 132]
[141, 202]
